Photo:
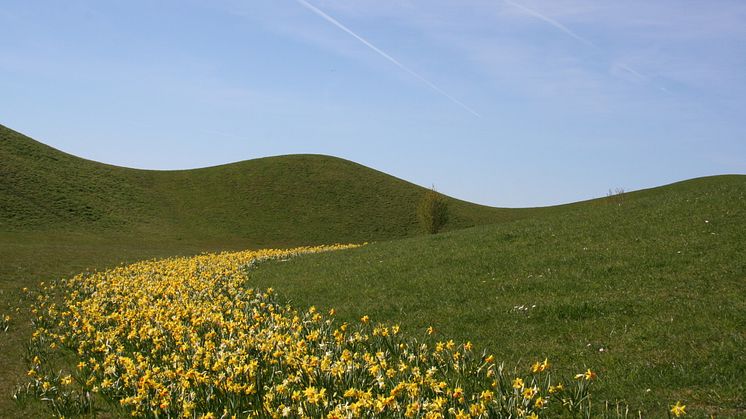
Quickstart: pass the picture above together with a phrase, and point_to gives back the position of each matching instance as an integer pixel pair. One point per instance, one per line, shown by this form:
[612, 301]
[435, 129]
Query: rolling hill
[648, 287]
[285, 200]
[61, 215]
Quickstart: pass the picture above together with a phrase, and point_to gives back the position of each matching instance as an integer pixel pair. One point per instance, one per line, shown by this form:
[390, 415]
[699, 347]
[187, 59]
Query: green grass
[28, 258]
[61, 215]
[657, 279]
[641, 275]
[286, 200]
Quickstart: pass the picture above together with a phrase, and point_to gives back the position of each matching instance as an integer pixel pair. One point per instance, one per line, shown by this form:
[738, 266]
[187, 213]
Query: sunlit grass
[190, 337]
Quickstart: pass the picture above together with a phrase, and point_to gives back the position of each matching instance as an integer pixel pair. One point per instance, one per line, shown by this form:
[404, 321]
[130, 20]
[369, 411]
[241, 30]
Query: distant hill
[285, 200]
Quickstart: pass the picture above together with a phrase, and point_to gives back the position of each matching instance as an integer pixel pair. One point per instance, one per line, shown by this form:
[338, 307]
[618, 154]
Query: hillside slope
[61, 215]
[647, 288]
[655, 278]
[286, 200]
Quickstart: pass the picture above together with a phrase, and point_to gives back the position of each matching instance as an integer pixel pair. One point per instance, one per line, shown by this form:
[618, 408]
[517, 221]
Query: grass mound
[285, 200]
[648, 288]
[61, 215]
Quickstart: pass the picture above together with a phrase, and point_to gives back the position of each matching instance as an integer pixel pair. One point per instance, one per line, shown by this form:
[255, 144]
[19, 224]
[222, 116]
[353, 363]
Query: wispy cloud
[385, 55]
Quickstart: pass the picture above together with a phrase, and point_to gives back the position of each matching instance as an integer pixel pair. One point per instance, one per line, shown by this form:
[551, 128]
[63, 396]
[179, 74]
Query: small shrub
[432, 211]
[616, 196]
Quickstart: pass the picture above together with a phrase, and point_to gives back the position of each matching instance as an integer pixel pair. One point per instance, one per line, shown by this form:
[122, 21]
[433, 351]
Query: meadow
[649, 289]
[642, 295]
[190, 337]
[61, 215]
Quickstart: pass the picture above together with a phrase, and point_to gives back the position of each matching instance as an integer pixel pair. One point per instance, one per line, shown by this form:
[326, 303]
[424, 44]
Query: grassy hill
[655, 278]
[286, 200]
[647, 288]
[60, 215]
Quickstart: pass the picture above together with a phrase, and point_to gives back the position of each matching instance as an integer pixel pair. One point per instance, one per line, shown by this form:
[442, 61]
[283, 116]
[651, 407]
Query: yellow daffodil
[678, 409]
[188, 337]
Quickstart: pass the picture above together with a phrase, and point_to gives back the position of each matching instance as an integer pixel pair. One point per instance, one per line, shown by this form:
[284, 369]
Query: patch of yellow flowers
[188, 337]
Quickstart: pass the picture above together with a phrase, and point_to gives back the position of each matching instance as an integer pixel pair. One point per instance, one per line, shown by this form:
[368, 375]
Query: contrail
[383, 54]
[632, 71]
[574, 35]
[552, 22]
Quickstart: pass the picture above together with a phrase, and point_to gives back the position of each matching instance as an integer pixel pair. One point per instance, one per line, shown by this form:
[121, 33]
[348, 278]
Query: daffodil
[678, 409]
[189, 337]
[588, 375]
[518, 383]
[540, 366]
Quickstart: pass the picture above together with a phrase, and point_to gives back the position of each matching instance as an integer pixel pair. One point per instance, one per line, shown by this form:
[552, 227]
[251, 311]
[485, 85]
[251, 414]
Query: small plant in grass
[432, 212]
[616, 196]
[678, 410]
[5, 322]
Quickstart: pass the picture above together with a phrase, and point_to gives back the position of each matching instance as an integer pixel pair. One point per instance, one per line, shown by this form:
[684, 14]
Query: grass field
[650, 290]
[648, 287]
[61, 215]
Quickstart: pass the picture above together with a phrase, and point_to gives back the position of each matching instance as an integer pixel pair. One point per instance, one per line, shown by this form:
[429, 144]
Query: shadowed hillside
[286, 200]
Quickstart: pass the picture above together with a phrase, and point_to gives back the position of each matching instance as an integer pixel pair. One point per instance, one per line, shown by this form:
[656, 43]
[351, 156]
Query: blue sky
[505, 103]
